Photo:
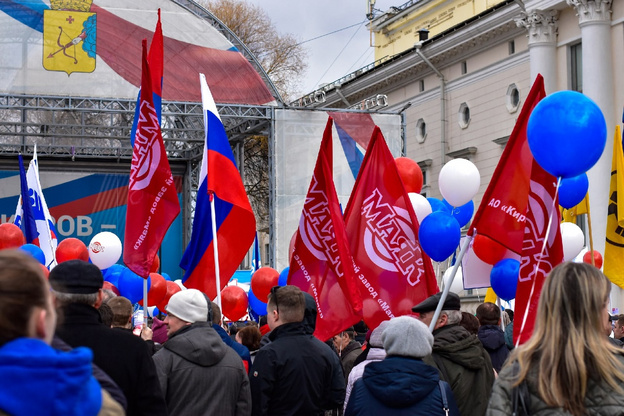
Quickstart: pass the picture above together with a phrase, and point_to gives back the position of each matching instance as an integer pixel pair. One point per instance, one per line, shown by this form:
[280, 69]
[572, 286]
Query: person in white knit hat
[402, 383]
[198, 373]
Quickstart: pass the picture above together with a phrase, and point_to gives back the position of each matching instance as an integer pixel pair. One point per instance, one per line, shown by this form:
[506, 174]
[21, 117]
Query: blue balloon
[439, 235]
[283, 277]
[256, 305]
[113, 273]
[166, 276]
[504, 278]
[34, 251]
[131, 285]
[573, 190]
[462, 214]
[567, 133]
[438, 205]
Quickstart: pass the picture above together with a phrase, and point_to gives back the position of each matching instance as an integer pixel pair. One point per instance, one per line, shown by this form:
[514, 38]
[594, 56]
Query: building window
[464, 68]
[421, 130]
[424, 167]
[576, 67]
[267, 254]
[512, 47]
[463, 115]
[513, 98]
[422, 85]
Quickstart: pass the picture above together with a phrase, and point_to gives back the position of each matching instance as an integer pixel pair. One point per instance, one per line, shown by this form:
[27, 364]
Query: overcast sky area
[335, 55]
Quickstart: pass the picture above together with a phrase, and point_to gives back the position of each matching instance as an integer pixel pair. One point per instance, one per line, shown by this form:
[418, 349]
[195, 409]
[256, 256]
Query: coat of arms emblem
[69, 36]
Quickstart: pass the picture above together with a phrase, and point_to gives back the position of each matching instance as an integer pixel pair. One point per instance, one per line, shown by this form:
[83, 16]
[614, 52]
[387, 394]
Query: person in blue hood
[36, 379]
[402, 384]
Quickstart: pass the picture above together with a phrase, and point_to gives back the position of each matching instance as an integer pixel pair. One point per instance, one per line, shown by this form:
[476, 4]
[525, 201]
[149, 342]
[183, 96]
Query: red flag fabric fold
[152, 199]
[542, 249]
[393, 272]
[321, 262]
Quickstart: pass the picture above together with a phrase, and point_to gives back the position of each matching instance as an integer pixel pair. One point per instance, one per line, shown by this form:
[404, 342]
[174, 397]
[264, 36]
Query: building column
[595, 23]
[542, 28]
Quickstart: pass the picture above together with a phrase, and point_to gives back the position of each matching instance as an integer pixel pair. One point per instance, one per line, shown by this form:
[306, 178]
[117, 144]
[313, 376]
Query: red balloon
[410, 174]
[110, 286]
[262, 281]
[45, 270]
[488, 250]
[234, 302]
[587, 258]
[71, 249]
[155, 264]
[11, 236]
[172, 288]
[157, 290]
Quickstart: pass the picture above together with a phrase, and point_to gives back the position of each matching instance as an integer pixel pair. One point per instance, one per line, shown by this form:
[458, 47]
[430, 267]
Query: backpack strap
[519, 395]
[445, 405]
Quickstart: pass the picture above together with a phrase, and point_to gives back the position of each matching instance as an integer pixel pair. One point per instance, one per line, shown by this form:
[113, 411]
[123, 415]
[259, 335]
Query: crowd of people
[68, 348]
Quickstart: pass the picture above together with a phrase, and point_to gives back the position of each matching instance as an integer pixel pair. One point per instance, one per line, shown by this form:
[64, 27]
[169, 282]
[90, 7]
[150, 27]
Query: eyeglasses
[274, 296]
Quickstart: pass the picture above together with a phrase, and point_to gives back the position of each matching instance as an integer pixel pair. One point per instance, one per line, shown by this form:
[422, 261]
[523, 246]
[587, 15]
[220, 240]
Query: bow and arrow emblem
[71, 44]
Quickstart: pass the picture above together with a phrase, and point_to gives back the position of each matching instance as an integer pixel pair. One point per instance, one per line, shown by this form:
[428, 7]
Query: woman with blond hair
[567, 366]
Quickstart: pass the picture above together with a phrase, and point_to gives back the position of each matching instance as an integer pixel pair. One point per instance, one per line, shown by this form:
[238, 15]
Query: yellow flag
[490, 295]
[569, 215]
[614, 247]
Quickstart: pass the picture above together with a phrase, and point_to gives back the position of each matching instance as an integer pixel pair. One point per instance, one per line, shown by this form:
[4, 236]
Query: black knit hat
[76, 276]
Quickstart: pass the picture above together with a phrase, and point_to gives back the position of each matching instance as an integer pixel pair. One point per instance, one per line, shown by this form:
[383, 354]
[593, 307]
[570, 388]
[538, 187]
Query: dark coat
[124, 357]
[202, 376]
[239, 348]
[493, 340]
[465, 365]
[294, 374]
[399, 386]
[348, 356]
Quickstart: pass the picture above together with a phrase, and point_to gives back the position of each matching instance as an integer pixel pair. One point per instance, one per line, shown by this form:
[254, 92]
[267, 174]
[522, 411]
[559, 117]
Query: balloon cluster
[441, 220]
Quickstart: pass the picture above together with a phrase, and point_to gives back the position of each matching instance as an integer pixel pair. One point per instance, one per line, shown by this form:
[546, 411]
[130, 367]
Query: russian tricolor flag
[235, 222]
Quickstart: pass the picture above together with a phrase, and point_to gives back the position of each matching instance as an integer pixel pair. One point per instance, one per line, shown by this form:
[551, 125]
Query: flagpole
[591, 238]
[145, 302]
[216, 249]
[447, 285]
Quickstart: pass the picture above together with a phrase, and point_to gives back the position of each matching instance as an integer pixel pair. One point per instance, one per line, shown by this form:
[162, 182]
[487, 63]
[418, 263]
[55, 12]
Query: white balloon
[458, 282]
[104, 249]
[459, 181]
[573, 240]
[422, 207]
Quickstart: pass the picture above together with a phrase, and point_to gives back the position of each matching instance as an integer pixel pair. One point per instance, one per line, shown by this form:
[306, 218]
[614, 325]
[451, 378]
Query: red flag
[152, 199]
[504, 202]
[321, 263]
[538, 259]
[393, 272]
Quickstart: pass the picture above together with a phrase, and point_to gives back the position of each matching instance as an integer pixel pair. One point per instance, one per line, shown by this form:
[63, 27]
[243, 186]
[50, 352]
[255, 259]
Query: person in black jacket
[124, 357]
[293, 375]
[491, 335]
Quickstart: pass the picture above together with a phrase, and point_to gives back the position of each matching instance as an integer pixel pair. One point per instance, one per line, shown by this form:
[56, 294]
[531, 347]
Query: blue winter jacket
[36, 379]
[399, 386]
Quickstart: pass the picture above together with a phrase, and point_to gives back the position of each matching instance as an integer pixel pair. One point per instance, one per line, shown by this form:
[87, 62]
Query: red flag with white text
[538, 259]
[152, 199]
[499, 220]
[321, 262]
[393, 273]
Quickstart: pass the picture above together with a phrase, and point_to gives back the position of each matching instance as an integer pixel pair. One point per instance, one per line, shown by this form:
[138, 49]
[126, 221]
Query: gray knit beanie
[375, 340]
[189, 305]
[408, 337]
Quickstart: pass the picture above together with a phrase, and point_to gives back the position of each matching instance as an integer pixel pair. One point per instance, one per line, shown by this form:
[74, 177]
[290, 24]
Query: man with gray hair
[124, 357]
[198, 373]
[458, 355]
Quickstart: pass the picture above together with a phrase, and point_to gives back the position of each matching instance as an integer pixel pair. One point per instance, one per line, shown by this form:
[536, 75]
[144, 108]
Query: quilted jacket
[601, 400]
